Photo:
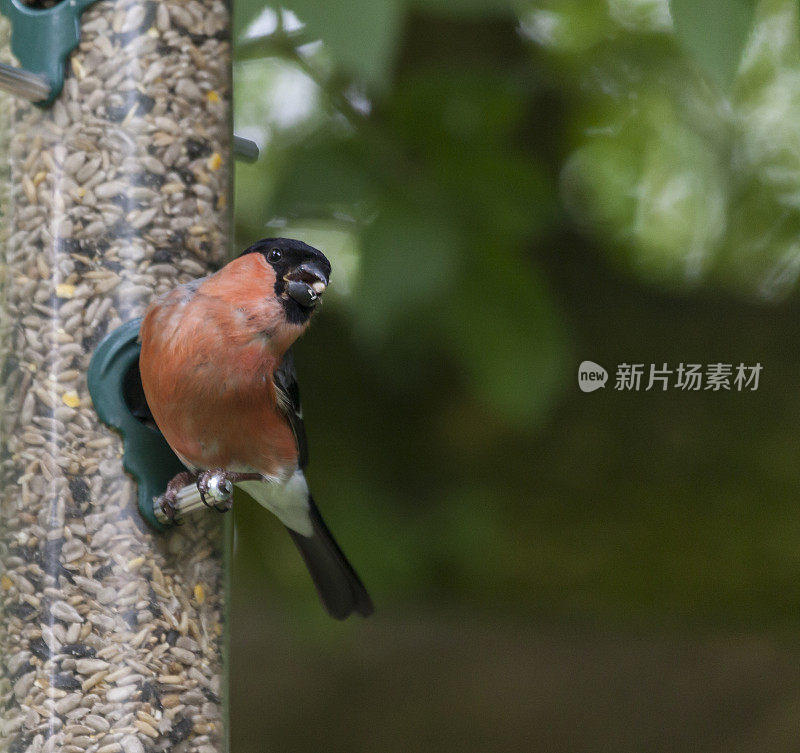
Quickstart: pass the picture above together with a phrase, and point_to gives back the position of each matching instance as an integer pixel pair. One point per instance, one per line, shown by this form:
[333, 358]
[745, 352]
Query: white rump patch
[288, 501]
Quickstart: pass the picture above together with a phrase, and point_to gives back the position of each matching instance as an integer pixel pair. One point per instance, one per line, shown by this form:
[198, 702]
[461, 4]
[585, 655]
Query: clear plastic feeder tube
[111, 636]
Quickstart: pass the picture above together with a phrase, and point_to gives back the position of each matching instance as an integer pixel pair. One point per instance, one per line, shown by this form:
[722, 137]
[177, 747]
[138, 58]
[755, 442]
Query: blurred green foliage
[505, 189]
[430, 179]
[714, 32]
[453, 159]
[680, 152]
[694, 129]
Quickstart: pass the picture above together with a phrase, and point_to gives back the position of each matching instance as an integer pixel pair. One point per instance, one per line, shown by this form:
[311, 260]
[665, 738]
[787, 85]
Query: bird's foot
[175, 484]
[217, 484]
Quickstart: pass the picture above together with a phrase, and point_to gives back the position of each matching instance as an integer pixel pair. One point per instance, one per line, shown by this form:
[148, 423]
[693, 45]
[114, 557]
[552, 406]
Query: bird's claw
[216, 483]
[167, 500]
[170, 511]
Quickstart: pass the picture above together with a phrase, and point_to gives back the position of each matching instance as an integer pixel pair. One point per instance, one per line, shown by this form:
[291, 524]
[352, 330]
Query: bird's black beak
[306, 284]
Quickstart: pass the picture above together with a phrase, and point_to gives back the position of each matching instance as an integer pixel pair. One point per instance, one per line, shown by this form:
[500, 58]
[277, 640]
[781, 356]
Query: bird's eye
[274, 255]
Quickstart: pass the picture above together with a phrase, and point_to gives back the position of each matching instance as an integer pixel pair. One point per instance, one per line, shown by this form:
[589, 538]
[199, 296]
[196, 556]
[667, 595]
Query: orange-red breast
[219, 378]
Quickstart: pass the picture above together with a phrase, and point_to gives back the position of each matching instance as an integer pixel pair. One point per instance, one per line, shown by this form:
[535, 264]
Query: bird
[219, 378]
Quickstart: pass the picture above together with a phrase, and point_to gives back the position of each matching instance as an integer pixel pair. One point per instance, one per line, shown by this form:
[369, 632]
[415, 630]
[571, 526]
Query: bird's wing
[288, 400]
[338, 585]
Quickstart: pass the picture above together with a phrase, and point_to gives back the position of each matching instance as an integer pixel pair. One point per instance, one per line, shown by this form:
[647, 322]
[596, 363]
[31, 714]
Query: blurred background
[506, 190]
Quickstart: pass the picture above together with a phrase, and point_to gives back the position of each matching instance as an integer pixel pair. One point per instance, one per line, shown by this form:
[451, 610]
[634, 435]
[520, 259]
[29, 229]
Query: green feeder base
[115, 387]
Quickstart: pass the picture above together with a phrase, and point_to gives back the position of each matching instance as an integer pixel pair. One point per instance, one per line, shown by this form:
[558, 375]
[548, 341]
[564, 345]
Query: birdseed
[112, 196]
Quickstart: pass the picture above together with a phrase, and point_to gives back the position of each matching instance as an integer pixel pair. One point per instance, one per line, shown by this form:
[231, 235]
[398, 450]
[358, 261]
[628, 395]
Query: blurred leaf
[411, 259]
[510, 336]
[468, 8]
[465, 125]
[772, 55]
[598, 185]
[641, 15]
[361, 35]
[681, 211]
[569, 26]
[715, 32]
[244, 13]
[322, 180]
[436, 107]
[502, 194]
[252, 190]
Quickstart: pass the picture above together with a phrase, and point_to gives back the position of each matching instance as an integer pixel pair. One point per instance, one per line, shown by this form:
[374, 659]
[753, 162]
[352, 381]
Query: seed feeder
[115, 152]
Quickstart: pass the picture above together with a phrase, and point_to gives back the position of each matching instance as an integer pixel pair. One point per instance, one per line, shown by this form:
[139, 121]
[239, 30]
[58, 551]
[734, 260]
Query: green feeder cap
[42, 39]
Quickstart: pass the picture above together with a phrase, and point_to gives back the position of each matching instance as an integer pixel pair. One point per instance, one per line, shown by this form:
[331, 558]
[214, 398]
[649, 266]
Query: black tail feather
[339, 588]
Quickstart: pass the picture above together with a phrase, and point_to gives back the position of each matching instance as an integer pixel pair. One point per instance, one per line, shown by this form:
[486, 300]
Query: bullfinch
[218, 375]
